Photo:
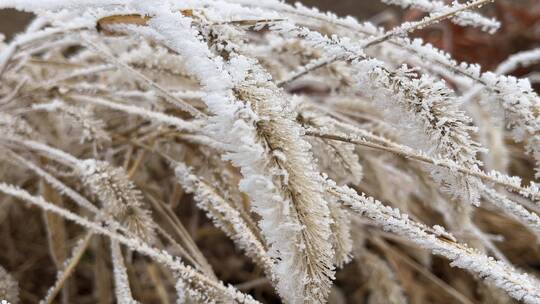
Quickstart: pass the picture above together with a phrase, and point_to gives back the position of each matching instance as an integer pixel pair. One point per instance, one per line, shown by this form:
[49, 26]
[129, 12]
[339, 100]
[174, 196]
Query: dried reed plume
[313, 142]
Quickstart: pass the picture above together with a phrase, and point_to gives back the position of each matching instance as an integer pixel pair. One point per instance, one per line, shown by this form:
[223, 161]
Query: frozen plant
[157, 131]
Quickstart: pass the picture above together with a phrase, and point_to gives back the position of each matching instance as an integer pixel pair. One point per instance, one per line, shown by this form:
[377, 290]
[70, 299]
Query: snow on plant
[271, 118]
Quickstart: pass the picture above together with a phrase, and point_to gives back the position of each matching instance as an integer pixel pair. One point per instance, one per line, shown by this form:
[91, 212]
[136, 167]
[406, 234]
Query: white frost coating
[432, 54]
[245, 151]
[142, 112]
[516, 284]
[185, 273]
[529, 219]
[520, 102]
[181, 291]
[279, 227]
[463, 18]
[118, 195]
[224, 217]
[241, 141]
[426, 110]
[434, 17]
[121, 280]
[33, 6]
[521, 59]
[58, 185]
[238, 121]
[521, 105]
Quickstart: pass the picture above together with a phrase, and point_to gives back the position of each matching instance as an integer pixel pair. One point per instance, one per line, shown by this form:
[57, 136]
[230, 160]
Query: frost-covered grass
[313, 142]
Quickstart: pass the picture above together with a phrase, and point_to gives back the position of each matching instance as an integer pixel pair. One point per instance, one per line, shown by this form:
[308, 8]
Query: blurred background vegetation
[520, 31]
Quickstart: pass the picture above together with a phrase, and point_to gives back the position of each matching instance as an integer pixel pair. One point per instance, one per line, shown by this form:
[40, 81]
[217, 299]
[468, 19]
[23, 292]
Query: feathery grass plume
[515, 95]
[341, 233]
[265, 103]
[56, 183]
[305, 247]
[119, 196]
[426, 110]
[521, 106]
[300, 180]
[121, 200]
[9, 288]
[262, 95]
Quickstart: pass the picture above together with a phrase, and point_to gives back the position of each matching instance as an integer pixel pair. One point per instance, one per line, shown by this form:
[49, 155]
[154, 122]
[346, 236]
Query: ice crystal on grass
[307, 139]
[118, 196]
[463, 18]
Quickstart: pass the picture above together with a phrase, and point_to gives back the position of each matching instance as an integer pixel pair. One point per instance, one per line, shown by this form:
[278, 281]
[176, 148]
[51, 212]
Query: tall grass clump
[344, 161]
